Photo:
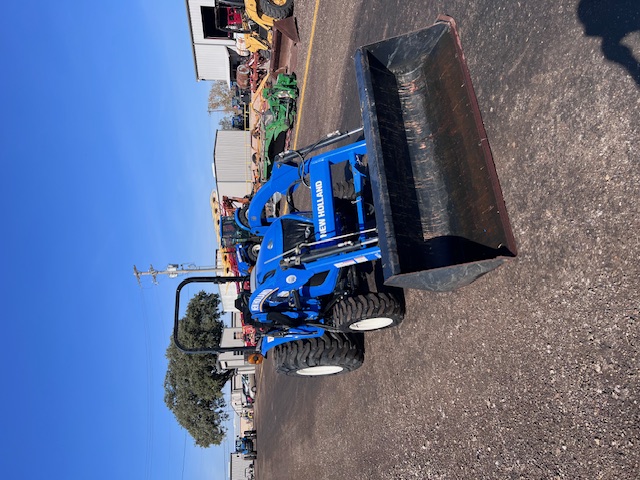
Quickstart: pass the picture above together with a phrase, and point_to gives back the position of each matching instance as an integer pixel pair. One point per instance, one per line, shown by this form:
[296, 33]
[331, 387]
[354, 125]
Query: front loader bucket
[284, 49]
[439, 209]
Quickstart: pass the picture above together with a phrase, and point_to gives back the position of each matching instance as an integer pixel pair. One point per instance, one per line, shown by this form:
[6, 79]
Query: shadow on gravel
[613, 20]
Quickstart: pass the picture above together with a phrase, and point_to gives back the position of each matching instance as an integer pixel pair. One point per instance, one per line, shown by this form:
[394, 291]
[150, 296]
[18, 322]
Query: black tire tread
[333, 348]
[275, 11]
[369, 305]
[345, 190]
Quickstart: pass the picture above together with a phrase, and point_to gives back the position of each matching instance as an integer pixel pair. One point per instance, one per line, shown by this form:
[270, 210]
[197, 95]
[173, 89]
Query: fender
[305, 331]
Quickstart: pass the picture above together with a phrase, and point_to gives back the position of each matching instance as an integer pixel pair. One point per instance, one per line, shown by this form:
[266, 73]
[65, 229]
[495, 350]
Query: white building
[232, 166]
[238, 467]
[240, 406]
[228, 295]
[232, 337]
[214, 52]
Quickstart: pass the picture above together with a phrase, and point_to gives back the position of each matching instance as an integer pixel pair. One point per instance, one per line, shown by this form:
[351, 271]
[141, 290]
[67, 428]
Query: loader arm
[285, 175]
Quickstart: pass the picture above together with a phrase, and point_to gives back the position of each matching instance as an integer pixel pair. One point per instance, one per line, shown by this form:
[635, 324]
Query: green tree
[220, 96]
[192, 386]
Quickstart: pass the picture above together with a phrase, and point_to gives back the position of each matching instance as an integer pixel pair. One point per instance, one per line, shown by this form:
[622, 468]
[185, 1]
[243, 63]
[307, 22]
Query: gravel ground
[532, 371]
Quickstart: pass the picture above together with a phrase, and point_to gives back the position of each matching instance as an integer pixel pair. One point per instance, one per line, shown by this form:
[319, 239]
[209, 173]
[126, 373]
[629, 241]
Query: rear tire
[372, 311]
[331, 354]
[276, 9]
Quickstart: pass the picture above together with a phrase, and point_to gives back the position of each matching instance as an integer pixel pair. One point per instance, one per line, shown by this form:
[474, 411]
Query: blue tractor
[414, 204]
[246, 445]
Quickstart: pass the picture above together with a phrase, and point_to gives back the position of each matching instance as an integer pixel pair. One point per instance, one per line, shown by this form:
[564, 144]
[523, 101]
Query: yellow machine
[259, 17]
[254, 43]
[264, 12]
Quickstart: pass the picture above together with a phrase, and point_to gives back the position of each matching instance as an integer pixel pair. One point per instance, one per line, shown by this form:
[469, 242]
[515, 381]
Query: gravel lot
[532, 371]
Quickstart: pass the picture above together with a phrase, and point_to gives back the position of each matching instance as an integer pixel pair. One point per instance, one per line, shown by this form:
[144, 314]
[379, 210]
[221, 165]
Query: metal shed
[232, 162]
[214, 52]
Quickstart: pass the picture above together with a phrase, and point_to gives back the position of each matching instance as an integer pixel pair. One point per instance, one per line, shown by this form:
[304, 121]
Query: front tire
[331, 354]
[372, 311]
[277, 9]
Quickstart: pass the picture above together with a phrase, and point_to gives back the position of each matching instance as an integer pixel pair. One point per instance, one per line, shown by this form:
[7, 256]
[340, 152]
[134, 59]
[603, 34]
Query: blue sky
[106, 149]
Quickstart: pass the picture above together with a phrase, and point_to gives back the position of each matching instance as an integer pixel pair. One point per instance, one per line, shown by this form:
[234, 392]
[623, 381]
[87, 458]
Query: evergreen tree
[193, 388]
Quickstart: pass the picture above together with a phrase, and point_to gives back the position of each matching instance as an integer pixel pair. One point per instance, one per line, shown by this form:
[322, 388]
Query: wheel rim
[320, 370]
[375, 323]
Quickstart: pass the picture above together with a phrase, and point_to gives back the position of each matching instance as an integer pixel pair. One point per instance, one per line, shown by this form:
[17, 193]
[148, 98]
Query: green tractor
[281, 98]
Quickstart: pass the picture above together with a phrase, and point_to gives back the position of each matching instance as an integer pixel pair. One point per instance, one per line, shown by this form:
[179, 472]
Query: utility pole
[173, 270]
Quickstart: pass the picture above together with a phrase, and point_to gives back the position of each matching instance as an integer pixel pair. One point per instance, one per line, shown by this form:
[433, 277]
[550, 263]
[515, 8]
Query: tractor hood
[282, 237]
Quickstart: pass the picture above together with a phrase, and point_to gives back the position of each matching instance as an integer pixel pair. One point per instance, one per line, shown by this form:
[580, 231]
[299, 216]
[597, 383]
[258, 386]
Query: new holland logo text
[322, 221]
[256, 305]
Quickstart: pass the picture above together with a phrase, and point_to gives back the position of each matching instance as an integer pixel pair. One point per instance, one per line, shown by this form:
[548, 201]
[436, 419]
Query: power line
[184, 453]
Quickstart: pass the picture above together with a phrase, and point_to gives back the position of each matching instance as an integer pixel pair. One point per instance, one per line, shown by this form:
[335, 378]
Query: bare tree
[220, 96]
[225, 123]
